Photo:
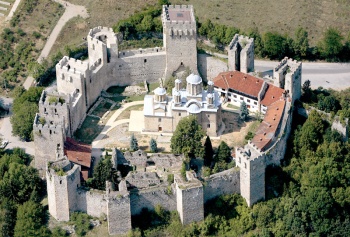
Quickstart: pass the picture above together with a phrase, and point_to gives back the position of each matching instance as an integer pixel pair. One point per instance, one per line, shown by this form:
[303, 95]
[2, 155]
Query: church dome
[193, 109]
[160, 91]
[210, 83]
[178, 81]
[194, 79]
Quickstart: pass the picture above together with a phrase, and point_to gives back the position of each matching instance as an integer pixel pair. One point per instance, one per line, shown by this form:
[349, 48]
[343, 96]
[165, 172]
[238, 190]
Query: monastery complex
[67, 163]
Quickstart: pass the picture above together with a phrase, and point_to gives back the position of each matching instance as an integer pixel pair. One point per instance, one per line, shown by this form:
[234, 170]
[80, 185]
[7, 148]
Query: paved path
[13, 9]
[71, 11]
[97, 144]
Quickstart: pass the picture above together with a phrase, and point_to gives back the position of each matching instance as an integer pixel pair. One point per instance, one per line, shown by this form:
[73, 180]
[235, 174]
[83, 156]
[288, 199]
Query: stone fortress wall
[80, 83]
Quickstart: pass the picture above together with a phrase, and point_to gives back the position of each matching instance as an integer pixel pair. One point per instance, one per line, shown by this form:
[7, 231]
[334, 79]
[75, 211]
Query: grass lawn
[89, 130]
[126, 113]
[231, 106]
[102, 108]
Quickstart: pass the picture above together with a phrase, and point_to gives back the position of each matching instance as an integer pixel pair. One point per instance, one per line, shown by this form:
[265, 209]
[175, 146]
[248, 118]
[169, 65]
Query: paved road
[327, 75]
[6, 134]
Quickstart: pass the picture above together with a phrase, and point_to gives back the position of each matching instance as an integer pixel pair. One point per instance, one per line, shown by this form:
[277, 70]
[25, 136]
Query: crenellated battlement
[171, 14]
[38, 125]
[141, 51]
[72, 65]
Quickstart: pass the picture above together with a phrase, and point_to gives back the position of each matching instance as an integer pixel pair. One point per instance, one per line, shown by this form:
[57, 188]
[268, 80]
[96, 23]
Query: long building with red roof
[236, 87]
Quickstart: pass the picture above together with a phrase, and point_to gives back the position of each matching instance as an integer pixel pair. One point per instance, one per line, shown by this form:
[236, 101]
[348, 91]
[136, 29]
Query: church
[162, 113]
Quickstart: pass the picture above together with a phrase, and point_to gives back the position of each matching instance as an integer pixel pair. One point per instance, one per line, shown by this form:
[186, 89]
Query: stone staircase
[4, 6]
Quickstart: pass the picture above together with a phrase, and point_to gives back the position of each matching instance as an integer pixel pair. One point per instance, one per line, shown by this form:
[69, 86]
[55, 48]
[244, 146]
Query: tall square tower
[180, 38]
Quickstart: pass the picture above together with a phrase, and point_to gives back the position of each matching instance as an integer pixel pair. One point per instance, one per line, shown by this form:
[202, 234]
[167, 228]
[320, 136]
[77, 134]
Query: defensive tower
[180, 38]
[241, 54]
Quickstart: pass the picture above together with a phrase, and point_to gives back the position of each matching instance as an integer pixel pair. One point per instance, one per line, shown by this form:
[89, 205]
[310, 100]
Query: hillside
[283, 16]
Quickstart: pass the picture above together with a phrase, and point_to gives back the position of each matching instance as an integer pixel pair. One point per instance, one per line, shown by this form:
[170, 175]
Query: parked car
[4, 144]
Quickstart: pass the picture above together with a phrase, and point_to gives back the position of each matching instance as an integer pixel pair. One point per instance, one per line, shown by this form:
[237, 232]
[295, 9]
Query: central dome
[194, 79]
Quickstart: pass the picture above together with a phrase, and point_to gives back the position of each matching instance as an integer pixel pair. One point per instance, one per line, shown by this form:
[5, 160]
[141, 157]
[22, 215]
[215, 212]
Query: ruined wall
[241, 54]
[118, 213]
[92, 202]
[150, 198]
[226, 182]
[209, 67]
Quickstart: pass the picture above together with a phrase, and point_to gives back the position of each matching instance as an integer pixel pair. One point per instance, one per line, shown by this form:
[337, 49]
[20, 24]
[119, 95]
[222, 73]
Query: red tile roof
[239, 81]
[268, 128]
[77, 152]
[272, 94]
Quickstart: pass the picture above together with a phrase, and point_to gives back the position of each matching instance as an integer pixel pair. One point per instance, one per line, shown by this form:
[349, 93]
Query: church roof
[194, 79]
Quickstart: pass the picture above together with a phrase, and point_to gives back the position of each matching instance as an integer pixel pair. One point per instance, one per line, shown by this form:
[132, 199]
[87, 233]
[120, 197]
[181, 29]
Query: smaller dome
[210, 95]
[210, 83]
[194, 79]
[194, 109]
[177, 81]
[160, 91]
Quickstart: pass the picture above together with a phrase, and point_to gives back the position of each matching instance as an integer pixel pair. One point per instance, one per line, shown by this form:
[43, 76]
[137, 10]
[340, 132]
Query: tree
[187, 138]
[30, 220]
[102, 173]
[19, 182]
[8, 217]
[301, 43]
[243, 111]
[153, 145]
[331, 45]
[223, 153]
[25, 106]
[22, 120]
[134, 146]
[208, 152]
[274, 45]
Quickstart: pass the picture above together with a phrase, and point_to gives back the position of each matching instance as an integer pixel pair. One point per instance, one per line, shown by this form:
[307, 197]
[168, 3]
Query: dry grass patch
[102, 13]
[126, 113]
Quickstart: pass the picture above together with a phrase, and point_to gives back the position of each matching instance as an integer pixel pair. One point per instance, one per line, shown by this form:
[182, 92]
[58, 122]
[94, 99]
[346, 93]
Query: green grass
[89, 130]
[232, 106]
[102, 108]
